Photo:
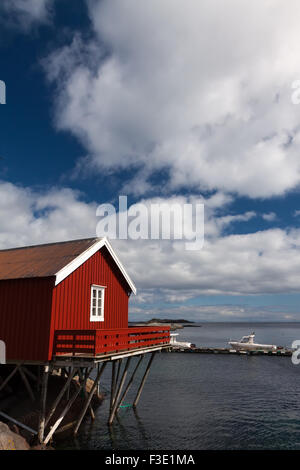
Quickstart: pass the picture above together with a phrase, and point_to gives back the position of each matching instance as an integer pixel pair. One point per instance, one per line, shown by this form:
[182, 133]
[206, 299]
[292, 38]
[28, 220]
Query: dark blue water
[199, 401]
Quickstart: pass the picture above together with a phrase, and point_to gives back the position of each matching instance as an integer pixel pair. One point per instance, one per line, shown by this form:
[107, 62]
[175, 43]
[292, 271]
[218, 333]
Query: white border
[83, 257]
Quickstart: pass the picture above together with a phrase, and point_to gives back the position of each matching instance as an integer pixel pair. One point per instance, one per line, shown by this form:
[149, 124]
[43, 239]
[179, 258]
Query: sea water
[208, 401]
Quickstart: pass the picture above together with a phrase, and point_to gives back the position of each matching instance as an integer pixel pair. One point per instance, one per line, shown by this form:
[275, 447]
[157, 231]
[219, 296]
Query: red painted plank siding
[25, 315]
[71, 298]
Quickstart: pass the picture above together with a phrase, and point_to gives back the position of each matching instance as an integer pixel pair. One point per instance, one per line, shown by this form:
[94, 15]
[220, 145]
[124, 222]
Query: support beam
[89, 398]
[130, 382]
[113, 385]
[29, 373]
[59, 396]
[63, 414]
[98, 385]
[41, 429]
[21, 425]
[27, 384]
[120, 361]
[5, 382]
[87, 373]
[118, 372]
[143, 380]
[114, 409]
[68, 389]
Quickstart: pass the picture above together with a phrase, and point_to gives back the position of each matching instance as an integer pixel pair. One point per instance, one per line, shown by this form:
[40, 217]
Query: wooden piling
[89, 398]
[113, 385]
[114, 409]
[143, 380]
[59, 396]
[130, 382]
[62, 415]
[41, 428]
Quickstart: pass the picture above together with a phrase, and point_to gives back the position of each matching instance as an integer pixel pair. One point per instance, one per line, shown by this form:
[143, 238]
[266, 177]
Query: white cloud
[269, 216]
[165, 273]
[203, 91]
[25, 13]
[204, 313]
[30, 217]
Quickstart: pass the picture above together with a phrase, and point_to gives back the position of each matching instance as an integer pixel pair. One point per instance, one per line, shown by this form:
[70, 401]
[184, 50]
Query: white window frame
[97, 317]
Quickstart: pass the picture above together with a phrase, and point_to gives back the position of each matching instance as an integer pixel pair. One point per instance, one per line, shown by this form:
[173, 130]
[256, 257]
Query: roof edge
[85, 255]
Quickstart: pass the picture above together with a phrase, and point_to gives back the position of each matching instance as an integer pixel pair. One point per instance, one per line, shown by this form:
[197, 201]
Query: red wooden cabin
[68, 298]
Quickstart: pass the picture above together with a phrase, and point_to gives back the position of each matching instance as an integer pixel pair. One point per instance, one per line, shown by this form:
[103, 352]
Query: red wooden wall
[25, 315]
[32, 309]
[72, 297]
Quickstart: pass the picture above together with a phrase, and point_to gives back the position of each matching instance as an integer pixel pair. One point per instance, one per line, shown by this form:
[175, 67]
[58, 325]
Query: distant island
[174, 324]
[167, 320]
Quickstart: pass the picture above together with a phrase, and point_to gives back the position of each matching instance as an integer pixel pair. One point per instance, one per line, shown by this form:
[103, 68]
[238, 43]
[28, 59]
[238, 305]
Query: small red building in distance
[68, 299]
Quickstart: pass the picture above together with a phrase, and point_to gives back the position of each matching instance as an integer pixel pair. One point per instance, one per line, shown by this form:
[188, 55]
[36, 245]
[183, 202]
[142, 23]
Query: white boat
[247, 344]
[179, 344]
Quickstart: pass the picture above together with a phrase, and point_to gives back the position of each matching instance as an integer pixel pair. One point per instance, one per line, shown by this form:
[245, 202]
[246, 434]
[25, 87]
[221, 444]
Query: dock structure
[208, 350]
[64, 311]
[84, 365]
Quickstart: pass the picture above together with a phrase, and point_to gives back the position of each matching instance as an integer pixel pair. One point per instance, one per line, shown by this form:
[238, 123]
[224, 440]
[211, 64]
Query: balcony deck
[100, 345]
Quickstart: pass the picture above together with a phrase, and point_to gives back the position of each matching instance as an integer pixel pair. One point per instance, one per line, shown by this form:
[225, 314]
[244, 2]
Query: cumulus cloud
[30, 217]
[201, 92]
[25, 13]
[269, 216]
[167, 276]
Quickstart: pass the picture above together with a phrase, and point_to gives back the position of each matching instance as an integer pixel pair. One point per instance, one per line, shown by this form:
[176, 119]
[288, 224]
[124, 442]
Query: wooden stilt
[120, 361]
[68, 371]
[29, 373]
[41, 428]
[114, 408]
[63, 414]
[130, 382]
[143, 380]
[59, 396]
[89, 398]
[113, 385]
[98, 384]
[21, 425]
[27, 384]
[5, 382]
[85, 378]
[118, 372]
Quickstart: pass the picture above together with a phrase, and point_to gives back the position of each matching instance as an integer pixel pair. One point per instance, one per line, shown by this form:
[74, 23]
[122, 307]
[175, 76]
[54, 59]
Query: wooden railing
[96, 342]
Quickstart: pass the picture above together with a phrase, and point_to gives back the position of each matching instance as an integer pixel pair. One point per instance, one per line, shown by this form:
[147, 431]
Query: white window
[97, 303]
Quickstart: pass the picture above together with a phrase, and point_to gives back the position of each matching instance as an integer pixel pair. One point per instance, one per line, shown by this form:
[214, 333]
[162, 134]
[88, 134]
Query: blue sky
[105, 99]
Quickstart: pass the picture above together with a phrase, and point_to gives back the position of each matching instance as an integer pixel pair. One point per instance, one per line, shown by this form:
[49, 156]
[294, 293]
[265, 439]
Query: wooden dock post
[113, 385]
[62, 415]
[89, 398]
[41, 428]
[144, 380]
[130, 382]
[114, 408]
[59, 397]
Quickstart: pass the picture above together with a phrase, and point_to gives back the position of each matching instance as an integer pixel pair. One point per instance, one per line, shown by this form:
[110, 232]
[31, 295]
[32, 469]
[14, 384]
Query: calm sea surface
[199, 401]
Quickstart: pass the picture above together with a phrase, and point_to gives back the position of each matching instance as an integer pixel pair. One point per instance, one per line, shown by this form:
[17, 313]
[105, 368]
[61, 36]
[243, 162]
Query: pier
[205, 350]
